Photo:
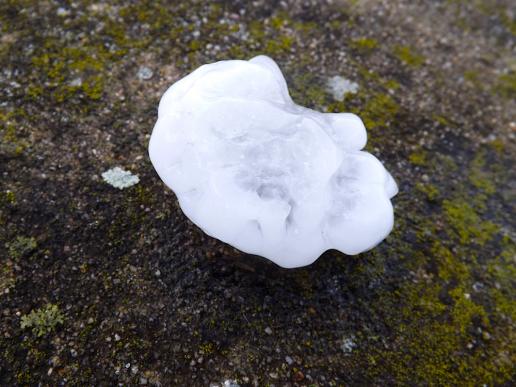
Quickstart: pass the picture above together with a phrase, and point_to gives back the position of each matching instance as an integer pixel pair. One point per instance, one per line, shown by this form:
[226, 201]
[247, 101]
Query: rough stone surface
[432, 305]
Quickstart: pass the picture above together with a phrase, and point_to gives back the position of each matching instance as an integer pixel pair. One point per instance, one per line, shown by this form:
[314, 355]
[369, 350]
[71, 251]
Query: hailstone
[272, 178]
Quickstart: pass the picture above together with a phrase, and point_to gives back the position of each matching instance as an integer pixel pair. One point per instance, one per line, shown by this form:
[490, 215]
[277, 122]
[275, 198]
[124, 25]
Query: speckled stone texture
[120, 287]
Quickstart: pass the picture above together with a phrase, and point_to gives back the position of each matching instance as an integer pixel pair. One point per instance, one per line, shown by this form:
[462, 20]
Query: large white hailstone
[272, 178]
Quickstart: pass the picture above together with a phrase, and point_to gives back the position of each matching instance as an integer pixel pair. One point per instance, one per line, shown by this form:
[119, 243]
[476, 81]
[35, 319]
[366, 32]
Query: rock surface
[144, 297]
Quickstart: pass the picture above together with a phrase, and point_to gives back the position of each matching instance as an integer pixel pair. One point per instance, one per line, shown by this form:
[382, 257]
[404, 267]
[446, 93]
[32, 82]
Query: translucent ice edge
[269, 177]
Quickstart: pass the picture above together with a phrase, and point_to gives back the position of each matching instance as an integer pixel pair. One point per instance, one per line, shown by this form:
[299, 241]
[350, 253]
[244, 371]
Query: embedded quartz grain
[257, 171]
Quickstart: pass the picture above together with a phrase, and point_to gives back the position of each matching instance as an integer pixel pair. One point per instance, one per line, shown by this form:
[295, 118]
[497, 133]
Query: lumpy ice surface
[269, 177]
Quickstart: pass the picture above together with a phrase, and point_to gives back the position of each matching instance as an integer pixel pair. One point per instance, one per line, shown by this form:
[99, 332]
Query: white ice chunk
[272, 178]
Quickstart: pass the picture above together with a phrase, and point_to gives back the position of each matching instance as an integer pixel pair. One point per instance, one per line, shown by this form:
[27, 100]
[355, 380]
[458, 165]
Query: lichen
[44, 320]
[21, 246]
[119, 178]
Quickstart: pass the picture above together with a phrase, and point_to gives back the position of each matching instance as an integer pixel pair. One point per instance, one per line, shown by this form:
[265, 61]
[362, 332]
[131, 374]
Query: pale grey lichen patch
[144, 73]
[348, 344]
[119, 178]
[231, 383]
[339, 86]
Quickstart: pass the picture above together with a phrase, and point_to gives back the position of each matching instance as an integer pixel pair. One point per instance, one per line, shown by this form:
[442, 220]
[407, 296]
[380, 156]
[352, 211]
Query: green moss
[449, 266]
[498, 145]
[466, 224]
[368, 75]
[61, 66]
[465, 311]
[364, 44]
[308, 90]
[279, 45]
[279, 20]
[11, 140]
[445, 161]
[418, 158]
[441, 120]
[206, 348]
[431, 191]
[7, 198]
[509, 22]
[391, 84]
[435, 319]
[376, 109]
[315, 96]
[506, 85]
[379, 111]
[502, 272]
[256, 30]
[66, 71]
[473, 77]
[479, 178]
[24, 377]
[21, 246]
[277, 36]
[44, 320]
[7, 277]
[406, 55]
[426, 345]
[336, 25]
[305, 28]
[195, 45]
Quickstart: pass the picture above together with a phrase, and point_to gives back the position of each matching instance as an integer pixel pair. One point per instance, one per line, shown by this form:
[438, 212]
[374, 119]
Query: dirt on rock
[106, 286]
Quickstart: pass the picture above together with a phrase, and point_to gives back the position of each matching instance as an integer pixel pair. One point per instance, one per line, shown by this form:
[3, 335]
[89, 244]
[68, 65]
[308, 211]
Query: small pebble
[478, 286]
[144, 73]
[62, 11]
[76, 82]
[268, 331]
